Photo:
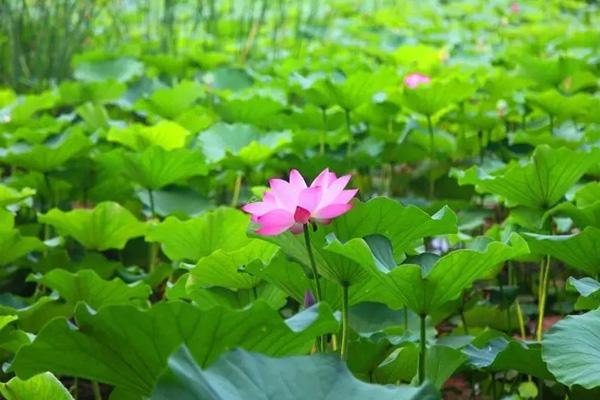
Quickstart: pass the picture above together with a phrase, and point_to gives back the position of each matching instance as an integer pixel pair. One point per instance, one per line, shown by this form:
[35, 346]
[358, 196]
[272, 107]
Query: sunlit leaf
[107, 226]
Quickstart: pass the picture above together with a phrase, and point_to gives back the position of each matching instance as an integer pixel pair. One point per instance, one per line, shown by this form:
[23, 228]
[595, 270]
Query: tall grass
[38, 38]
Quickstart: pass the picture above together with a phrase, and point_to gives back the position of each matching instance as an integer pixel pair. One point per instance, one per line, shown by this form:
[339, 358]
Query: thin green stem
[423, 352]
[350, 137]
[74, 389]
[345, 323]
[151, 201]
[324, 132]
[464, 321]
[431, 156]
[313, 265]
[461, 311]
[236, 190]
[405, 318]
[321, 341]
[96, 391]
[153, 246]
[543, 293]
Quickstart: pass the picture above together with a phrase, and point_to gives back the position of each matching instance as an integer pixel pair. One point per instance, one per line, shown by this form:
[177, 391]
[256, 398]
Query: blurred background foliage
[42, 40]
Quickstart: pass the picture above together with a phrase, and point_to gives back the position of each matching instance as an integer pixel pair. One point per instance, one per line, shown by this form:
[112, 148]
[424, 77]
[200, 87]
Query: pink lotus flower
[291, 205]
[415, 79]
[515, 7]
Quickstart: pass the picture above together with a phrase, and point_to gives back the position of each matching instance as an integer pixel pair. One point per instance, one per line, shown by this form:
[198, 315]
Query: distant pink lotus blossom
[515, 7]
[415, 79]
[291, 205]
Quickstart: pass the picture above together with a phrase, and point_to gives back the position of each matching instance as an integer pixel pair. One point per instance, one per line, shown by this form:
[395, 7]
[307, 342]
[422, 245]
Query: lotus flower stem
[96, 391]
[431, 156]
[521, 319]
[153, 246]
[345, 325]
[236, 190]
[350, 138]
[324, 133]
[151, 201]
[313, 265]
[422, 353]
[321, 341]
[542, 293]
[73, 389]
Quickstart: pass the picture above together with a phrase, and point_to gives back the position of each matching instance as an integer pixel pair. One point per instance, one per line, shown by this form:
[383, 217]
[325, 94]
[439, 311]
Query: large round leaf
[424, 290]
[580, 250]
[120, 69]
[539, 183]
[13, 245]
[156, 167]
[128, 348]
[87, 286]
[222, 229]
[572, 350]
[107, 226]
[44, 386]
[239, 375]
[48, 156]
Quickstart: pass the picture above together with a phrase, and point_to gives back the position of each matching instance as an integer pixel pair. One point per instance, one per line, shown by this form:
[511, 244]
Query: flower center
[301, 215]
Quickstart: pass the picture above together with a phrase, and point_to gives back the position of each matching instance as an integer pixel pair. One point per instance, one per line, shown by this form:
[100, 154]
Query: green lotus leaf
[95, 116]
[88, 287]
[572, 348]
[588, 289]
[404, 226]
[539, 183]
[426, 290]
[227, 268]
[245, 141]
[120, 69]
[228, 78]
[582, 216]
[166, 134]
[256, 110]
[13, 245]
[43, 386]
[50, 155]
[91, 349]
[107, 226]
[442, 362]
[9, 195]
[25, 107]
[551, 72]
[222, 229]
[579, 251]
[156, 167]
[588, 194]
[101, 92]
[344, 262]
[431, 98]
[358, 88]
[500, 353]
[241, 375]
[419, 56]
[561, 106]
[177, 201]
[171, 102]
[291, 277]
